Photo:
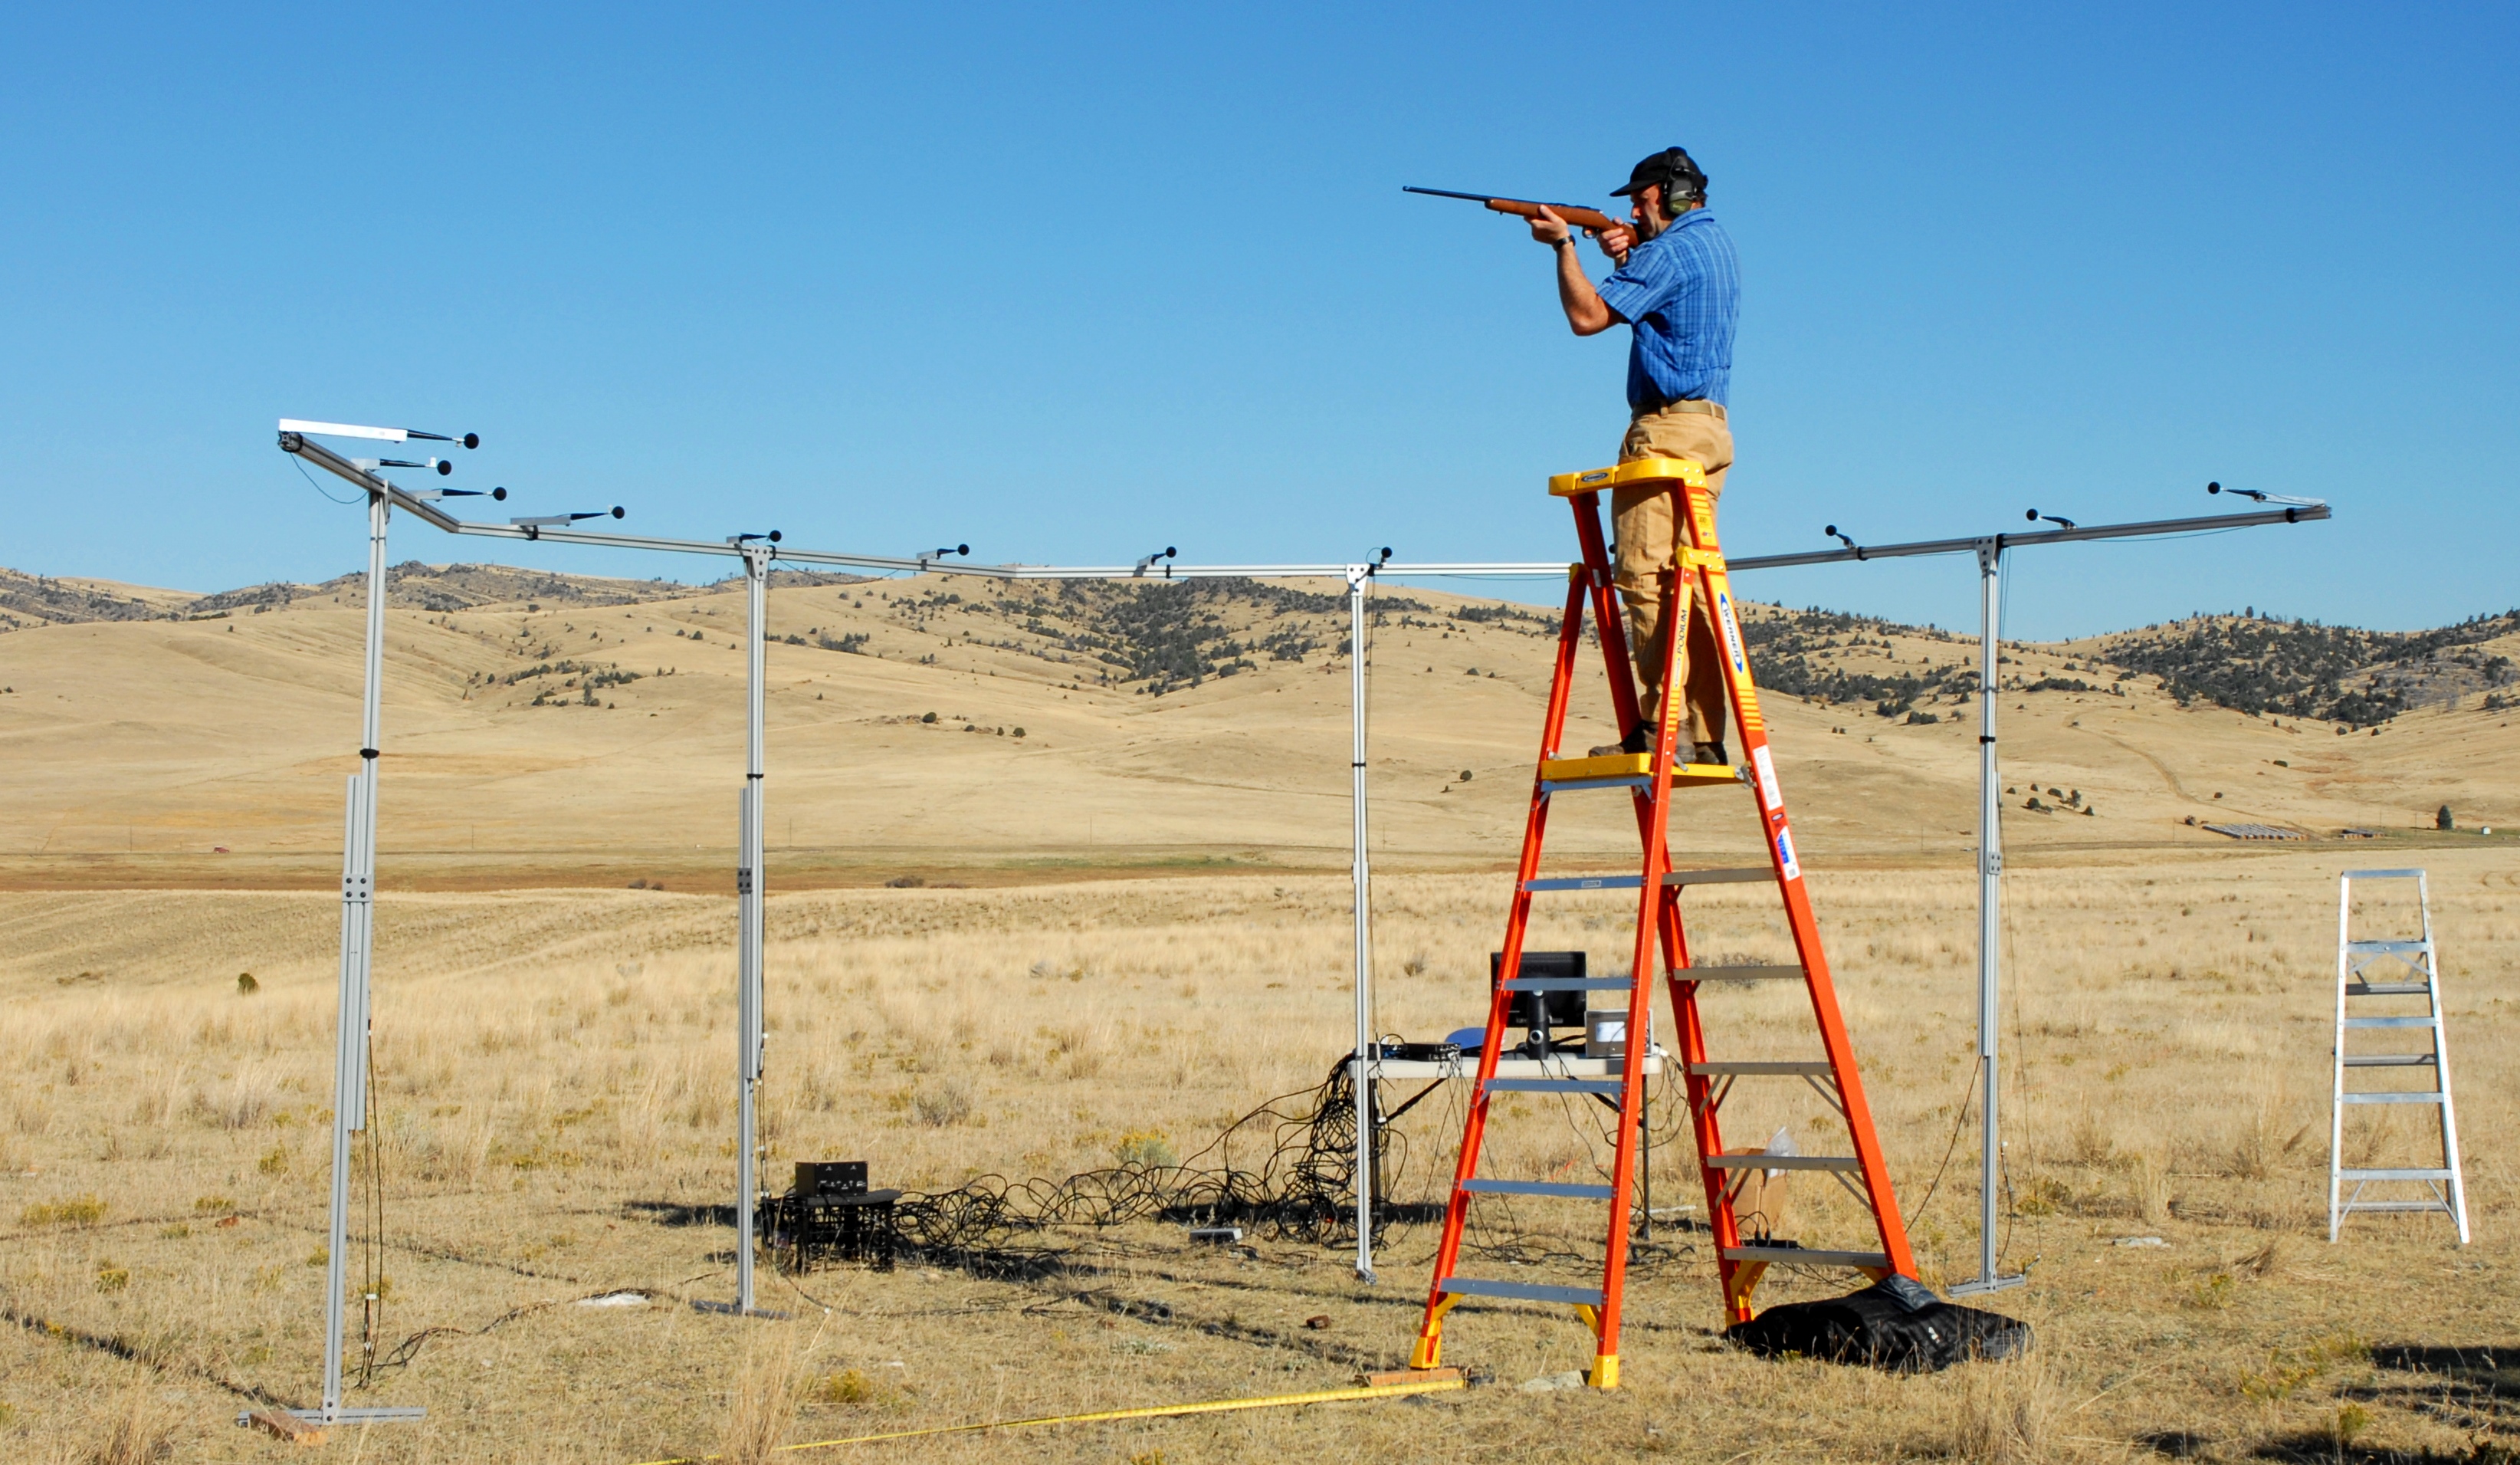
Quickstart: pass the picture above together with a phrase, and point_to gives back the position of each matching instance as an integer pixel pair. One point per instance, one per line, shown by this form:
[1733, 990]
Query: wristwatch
[1567, 242]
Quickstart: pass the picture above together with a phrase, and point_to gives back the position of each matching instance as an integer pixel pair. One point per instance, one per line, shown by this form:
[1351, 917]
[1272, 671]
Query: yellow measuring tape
[1152, 1411]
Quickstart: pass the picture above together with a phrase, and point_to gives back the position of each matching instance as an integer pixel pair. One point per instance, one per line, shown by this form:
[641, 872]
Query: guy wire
[1959, 1121]
[373, 1252]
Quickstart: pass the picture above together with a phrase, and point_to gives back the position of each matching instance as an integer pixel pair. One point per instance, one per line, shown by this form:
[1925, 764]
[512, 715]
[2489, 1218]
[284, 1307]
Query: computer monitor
[1538, 1011]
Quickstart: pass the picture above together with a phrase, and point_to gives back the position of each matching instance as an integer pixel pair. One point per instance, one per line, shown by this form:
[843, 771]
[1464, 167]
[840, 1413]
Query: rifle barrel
[1578, 215]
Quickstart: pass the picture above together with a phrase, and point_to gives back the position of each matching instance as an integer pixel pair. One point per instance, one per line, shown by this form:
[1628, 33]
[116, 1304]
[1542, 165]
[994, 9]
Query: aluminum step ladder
[1699, 588]
[2386, 973]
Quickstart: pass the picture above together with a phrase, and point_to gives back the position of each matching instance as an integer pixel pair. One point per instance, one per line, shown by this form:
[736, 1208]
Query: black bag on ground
[1894, 1324]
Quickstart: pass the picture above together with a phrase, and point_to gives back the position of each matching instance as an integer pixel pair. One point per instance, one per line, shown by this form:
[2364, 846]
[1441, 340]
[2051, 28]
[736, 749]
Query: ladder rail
[1519, 914]
[1654, 903]
[1769, 799]
[2458, 1182]
[2336, 1053]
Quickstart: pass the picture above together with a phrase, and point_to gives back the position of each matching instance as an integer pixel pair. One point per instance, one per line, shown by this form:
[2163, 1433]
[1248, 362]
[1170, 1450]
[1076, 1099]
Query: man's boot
[1709, 753]
[1640, 740]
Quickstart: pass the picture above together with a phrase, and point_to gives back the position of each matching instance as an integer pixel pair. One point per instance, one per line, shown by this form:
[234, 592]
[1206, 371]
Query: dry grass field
[554, 1096]
[553, 1051]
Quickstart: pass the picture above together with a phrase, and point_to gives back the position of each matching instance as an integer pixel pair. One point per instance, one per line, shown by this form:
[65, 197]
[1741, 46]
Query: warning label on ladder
[1769, 794]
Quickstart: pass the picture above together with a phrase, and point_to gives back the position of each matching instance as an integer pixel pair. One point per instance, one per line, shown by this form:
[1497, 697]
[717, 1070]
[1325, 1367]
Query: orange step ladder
[1651, 778]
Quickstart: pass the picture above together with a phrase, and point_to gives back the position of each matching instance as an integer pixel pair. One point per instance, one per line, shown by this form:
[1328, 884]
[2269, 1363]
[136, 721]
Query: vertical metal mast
[747, 895]
[358, 953]
[1362, 1084]
[1990, 910]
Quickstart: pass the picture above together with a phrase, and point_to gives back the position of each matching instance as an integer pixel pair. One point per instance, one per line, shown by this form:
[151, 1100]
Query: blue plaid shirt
[1682, 292]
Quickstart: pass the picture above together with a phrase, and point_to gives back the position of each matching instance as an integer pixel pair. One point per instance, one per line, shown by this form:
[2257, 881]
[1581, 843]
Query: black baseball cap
[1673, 168]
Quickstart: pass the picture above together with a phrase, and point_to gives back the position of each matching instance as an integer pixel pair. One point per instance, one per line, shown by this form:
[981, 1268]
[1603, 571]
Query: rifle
[1590, 220]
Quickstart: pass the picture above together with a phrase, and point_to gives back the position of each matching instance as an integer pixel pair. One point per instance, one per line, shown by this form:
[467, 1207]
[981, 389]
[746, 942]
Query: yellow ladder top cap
[1626, 475]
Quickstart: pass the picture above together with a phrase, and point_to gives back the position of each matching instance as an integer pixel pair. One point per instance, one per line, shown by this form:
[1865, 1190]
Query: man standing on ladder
[1679, 287]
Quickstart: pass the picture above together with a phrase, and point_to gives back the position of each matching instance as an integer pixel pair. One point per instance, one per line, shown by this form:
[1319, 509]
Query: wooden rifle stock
[1591, 220]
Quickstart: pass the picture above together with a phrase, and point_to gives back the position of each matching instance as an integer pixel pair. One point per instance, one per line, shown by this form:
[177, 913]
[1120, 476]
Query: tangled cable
[1302, 1190]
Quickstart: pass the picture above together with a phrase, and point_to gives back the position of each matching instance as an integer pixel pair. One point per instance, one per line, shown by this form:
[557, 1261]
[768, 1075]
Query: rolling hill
[944, 727]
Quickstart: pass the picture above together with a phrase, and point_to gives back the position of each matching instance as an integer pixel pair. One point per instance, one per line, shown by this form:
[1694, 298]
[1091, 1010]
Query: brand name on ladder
[1731, 632]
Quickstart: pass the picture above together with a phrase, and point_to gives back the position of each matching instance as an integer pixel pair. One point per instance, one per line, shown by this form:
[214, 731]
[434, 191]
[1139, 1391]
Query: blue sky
[1074, 284]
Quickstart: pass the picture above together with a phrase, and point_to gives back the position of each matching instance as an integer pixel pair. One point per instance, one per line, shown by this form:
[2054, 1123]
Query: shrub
[943, 1105]
[2214, 1292]
[847, 1387]
[1146, 1149]
[74, 1211]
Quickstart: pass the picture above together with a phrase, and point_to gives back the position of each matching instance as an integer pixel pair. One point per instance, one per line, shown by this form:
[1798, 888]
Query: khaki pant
[1641, 521]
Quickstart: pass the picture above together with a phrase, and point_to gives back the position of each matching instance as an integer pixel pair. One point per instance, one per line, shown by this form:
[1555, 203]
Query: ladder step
[1790, 1253]
[1569, 984]
[1586, 883]
[1609, 765]
[1612, 770]
[1529, 1292]
[1784, 973]
[1550, 786]
[1846, 1162]
[2388, 988]
[1566, 1191]
[2424, 1021]
[1815, 1068]
[2384, 874]
[2387, 948]
[1556, 1086]
[1761, 875]
[2389, 1060]
[2424, 1174]
[2430, 1096]
[2441, 1206]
